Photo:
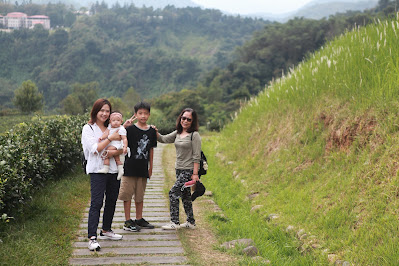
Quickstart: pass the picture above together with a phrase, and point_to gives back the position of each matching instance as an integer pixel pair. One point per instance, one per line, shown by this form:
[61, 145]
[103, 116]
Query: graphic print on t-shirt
[142, 152]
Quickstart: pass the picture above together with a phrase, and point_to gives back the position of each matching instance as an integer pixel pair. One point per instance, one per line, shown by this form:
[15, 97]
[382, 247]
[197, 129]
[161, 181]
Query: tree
[27, 98]
[81, 99]
[118, 105]
[130, 98]
[71, 105]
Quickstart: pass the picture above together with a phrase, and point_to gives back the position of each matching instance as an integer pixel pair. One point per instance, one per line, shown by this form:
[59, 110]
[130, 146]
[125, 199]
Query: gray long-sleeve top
[188, 151]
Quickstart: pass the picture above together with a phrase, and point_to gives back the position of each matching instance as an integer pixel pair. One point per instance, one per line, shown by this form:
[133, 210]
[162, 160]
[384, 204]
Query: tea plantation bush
[32, 153]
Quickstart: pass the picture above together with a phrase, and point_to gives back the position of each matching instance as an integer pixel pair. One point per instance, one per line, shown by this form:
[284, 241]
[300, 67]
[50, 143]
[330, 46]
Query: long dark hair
[194, 122]
[96, 108]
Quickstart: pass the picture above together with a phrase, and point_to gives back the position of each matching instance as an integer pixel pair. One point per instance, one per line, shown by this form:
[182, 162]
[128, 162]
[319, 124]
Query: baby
[115, 125]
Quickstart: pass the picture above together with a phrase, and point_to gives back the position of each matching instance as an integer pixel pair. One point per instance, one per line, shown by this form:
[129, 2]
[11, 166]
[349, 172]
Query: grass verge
[318, 148]
[239, 219]
[42, 235]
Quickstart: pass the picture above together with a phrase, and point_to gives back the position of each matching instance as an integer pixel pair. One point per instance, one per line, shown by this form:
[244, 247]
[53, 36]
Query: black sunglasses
[186, 118]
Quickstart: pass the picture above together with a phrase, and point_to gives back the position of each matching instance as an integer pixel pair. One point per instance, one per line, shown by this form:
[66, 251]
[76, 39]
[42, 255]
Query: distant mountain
[318, 9]
[154, 3]
[138, 3]
[324, 8]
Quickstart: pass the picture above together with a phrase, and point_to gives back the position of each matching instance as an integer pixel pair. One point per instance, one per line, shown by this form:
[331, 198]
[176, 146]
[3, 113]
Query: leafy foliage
[32, 153]
[28, 98]
[81, 98]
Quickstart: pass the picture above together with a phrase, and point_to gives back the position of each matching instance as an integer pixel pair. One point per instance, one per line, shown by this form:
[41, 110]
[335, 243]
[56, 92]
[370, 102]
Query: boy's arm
[151, 160]
[124, 139]
[130, 121]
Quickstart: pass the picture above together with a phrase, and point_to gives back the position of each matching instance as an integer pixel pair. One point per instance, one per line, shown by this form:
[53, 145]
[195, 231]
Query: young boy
[138, 167]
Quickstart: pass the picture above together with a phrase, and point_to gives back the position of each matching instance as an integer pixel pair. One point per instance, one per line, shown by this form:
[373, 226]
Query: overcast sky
[253, 6]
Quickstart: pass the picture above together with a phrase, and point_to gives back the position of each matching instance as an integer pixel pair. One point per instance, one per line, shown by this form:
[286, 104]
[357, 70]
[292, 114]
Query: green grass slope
[320, 149]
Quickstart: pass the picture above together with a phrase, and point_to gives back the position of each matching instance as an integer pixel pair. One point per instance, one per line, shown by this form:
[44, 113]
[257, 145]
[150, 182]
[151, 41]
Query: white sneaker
[171, 226]
[188, 225]
[93, 244]
[104, 170]
[109, 235]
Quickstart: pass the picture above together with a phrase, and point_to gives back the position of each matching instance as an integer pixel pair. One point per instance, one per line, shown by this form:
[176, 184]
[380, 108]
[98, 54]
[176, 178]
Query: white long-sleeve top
[90, 138]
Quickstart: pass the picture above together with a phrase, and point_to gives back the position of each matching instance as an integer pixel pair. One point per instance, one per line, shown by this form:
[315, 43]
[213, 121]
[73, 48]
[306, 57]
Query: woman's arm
[101, 146]
[91, 145]
[89, 140]
[105, 135]
[170, 138]
[195, 175]
[124, 140]
[196, 146]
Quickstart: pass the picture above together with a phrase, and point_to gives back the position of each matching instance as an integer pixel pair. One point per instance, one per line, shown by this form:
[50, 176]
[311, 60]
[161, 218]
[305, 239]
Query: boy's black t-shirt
[140, 142]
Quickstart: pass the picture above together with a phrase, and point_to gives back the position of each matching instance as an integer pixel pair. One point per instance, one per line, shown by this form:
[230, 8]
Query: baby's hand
[124, 150]
[104, 135]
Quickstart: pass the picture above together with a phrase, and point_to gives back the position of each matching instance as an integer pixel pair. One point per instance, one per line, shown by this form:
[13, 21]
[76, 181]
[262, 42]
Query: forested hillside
[135, 53]
[153, 51]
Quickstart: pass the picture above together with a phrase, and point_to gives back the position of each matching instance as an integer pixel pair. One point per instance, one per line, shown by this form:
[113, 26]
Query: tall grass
[319, 147]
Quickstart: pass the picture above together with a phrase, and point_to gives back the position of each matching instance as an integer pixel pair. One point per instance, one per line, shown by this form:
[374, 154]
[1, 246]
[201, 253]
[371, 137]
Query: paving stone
[161, 208]
[131, 251]
[120, 213]
[128, 260]
[145, 208]
[153, 243]
[143, 231]
[137, 237]
[147, 215]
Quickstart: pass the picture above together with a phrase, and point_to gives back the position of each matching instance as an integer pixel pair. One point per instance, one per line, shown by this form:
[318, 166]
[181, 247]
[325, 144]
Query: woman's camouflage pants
[182, 176]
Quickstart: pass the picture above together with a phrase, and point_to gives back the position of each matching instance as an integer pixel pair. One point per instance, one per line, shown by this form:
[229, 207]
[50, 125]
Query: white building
[17, 20]
[39, 19]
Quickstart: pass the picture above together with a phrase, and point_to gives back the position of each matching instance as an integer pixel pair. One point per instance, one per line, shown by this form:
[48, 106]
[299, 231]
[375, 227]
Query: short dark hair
[96, 108]
[194, 123]
[142, 105]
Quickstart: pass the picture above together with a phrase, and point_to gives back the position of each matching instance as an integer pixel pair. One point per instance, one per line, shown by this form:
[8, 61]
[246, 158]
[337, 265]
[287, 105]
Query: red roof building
[17, 20]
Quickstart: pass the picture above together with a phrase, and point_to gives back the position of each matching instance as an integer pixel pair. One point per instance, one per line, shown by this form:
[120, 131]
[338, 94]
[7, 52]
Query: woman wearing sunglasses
[188, 154]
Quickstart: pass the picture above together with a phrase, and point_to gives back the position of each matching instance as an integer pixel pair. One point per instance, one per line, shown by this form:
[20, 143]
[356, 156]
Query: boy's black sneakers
[144, 224]
[131, 225]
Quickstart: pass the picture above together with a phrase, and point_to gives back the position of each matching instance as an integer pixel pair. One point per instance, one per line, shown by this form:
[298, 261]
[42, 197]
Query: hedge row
[35, 152]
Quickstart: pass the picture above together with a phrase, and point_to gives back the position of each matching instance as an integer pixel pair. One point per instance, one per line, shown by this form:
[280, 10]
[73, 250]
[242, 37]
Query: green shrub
[32, 153]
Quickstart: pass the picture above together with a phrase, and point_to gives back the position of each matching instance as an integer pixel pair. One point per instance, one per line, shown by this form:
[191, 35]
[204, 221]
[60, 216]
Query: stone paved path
[149, 246]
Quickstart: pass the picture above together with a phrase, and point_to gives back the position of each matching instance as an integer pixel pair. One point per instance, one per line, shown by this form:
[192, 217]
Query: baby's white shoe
[104, 170]
[120, 172]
